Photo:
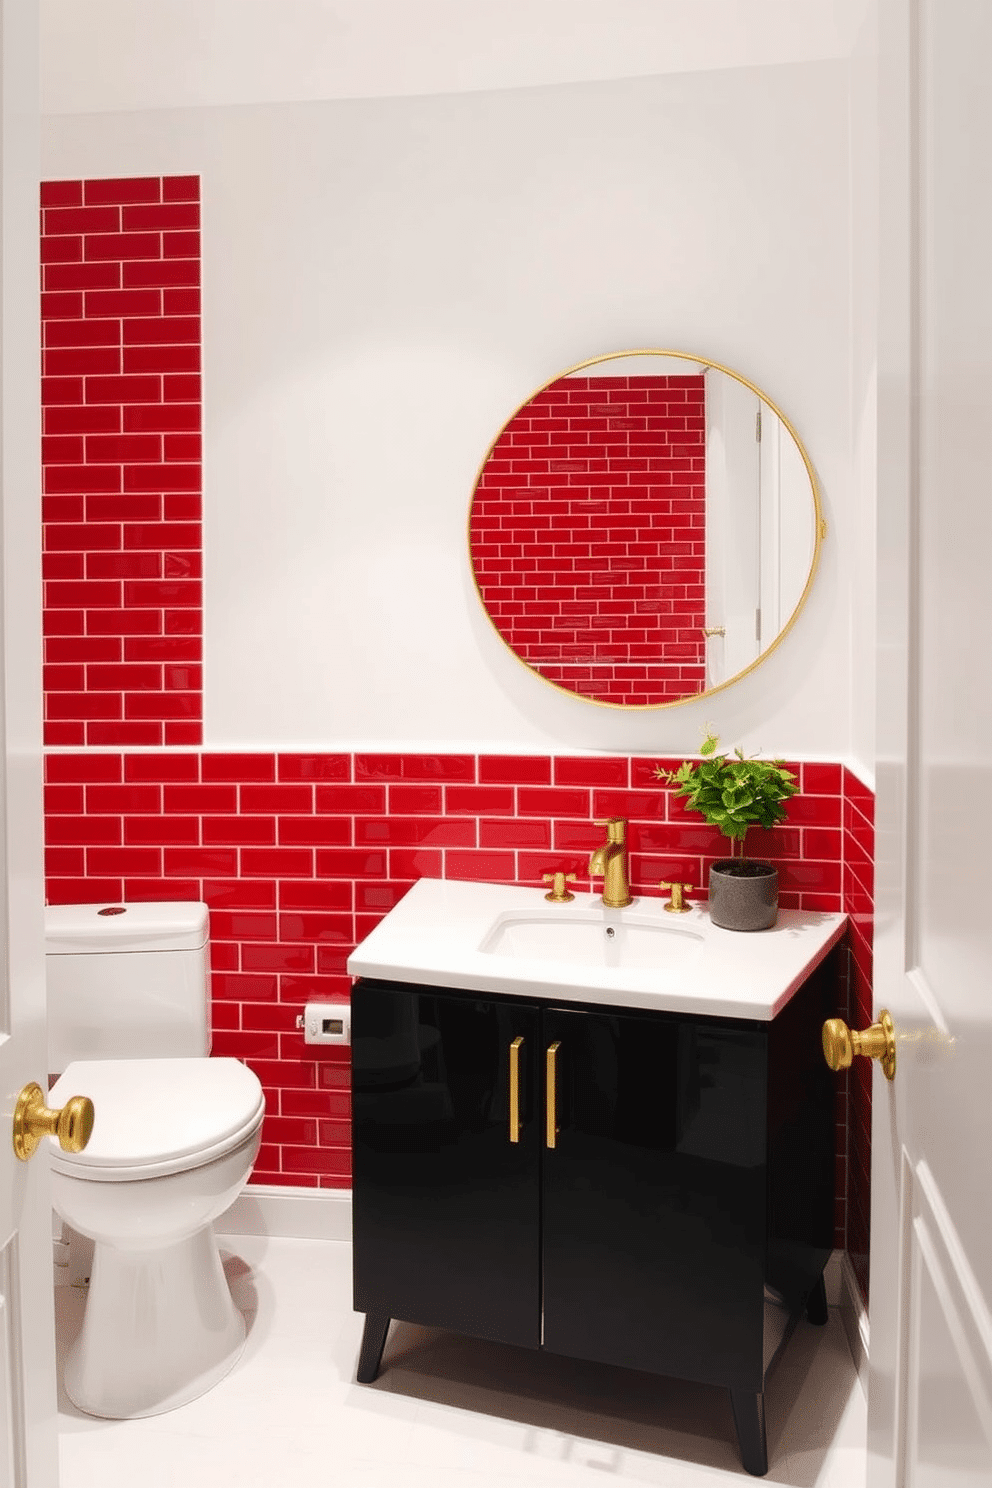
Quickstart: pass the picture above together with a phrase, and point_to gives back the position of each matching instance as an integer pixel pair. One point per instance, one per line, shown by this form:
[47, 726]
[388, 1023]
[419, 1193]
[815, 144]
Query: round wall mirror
[645, 529]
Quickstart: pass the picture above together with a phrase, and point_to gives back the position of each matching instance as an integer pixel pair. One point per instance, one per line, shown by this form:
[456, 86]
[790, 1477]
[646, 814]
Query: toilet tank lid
[96, 929]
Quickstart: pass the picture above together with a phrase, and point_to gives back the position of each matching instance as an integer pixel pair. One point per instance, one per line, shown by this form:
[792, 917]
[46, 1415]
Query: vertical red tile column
[121, 460]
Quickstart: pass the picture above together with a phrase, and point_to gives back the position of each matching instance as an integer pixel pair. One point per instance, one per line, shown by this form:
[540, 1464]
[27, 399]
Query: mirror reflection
[644, 529]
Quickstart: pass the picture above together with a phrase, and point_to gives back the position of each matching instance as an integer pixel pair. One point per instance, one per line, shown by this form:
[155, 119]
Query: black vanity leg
[373, 1343]
[816, 1304]
[749, 1418]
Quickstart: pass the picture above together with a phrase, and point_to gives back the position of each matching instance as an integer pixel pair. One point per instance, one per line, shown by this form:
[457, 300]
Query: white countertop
[434, 935]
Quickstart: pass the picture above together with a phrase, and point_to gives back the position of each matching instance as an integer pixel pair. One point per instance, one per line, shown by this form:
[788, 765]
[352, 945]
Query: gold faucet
[610, 863]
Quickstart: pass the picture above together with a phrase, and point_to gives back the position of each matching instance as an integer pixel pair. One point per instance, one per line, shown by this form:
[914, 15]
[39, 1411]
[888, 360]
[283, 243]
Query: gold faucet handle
[559, 894]
[616, 828]
[677, 905]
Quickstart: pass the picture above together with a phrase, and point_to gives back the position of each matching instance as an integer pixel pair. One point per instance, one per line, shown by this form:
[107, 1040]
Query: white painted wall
[99, 55]
[386, 279]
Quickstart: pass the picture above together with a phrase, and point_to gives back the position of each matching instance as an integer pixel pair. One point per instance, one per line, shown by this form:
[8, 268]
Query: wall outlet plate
[327, 1023]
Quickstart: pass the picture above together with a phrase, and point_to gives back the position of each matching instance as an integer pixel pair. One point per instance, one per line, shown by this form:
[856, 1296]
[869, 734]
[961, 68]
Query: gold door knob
[33, 1120]
[840, 1044]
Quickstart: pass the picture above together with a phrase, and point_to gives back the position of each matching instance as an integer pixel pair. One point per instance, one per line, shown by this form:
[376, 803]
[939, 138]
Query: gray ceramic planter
[743, 894]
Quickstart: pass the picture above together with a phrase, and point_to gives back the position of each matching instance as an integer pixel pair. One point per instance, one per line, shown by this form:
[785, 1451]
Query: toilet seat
[158, 1116]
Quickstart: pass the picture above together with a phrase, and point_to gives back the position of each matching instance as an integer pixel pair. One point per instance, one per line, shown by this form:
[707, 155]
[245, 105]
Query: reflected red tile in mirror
[587, 535]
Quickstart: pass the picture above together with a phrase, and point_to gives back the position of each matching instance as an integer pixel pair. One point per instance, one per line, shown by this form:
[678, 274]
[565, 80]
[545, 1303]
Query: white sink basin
[578, 937]
[507, 939]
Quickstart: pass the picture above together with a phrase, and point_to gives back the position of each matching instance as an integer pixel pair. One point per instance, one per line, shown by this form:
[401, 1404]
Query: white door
[28, 1446]
[732, 545]
[930, 1391]
[786, 526]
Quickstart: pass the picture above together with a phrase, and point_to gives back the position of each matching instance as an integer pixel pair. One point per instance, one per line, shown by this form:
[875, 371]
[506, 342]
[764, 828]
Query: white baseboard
[833, 1278]
[843, 1292]
[289, 1213]
[283, 1213]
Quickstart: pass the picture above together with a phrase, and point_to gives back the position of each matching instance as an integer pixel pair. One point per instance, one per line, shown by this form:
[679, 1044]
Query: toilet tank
[126, 981]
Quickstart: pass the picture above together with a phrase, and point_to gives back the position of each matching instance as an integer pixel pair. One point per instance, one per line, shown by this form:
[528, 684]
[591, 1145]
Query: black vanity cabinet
[650, 1190]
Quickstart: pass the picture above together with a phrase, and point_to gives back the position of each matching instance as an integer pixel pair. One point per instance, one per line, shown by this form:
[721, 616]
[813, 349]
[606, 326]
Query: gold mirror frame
[819, 526]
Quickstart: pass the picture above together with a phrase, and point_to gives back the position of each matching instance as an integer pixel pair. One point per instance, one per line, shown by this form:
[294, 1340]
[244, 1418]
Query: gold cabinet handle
[551, 1094]
[712, 630]
[515, 1048]
[841, 1044]
[33, 1120]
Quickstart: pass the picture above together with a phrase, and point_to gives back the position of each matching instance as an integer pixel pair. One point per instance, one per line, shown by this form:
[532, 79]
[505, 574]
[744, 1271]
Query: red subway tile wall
[587, 533]
[120, 263]
[300, 855]
[858, 890]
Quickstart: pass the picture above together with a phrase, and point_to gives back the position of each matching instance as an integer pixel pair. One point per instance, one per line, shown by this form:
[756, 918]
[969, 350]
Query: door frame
[28, 1398]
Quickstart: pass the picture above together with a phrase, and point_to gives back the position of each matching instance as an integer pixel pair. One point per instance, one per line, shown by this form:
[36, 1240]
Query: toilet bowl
[174, 1141]
[159, 1327]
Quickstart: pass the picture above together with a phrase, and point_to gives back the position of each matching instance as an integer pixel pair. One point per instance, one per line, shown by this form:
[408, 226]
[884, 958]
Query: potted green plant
[734, 792]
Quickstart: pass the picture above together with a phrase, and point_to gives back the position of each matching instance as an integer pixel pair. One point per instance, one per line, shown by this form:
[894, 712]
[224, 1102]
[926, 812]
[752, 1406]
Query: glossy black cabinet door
[654, 1230]
[445, 1205]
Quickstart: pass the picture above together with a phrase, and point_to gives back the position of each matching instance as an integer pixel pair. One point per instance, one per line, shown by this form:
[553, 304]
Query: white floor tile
[449, 1412]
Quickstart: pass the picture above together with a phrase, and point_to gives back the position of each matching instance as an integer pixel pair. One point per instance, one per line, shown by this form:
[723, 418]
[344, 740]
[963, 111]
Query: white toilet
[174, 1139]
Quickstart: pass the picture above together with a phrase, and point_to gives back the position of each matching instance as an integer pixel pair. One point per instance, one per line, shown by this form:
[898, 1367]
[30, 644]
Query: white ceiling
[102, 56]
